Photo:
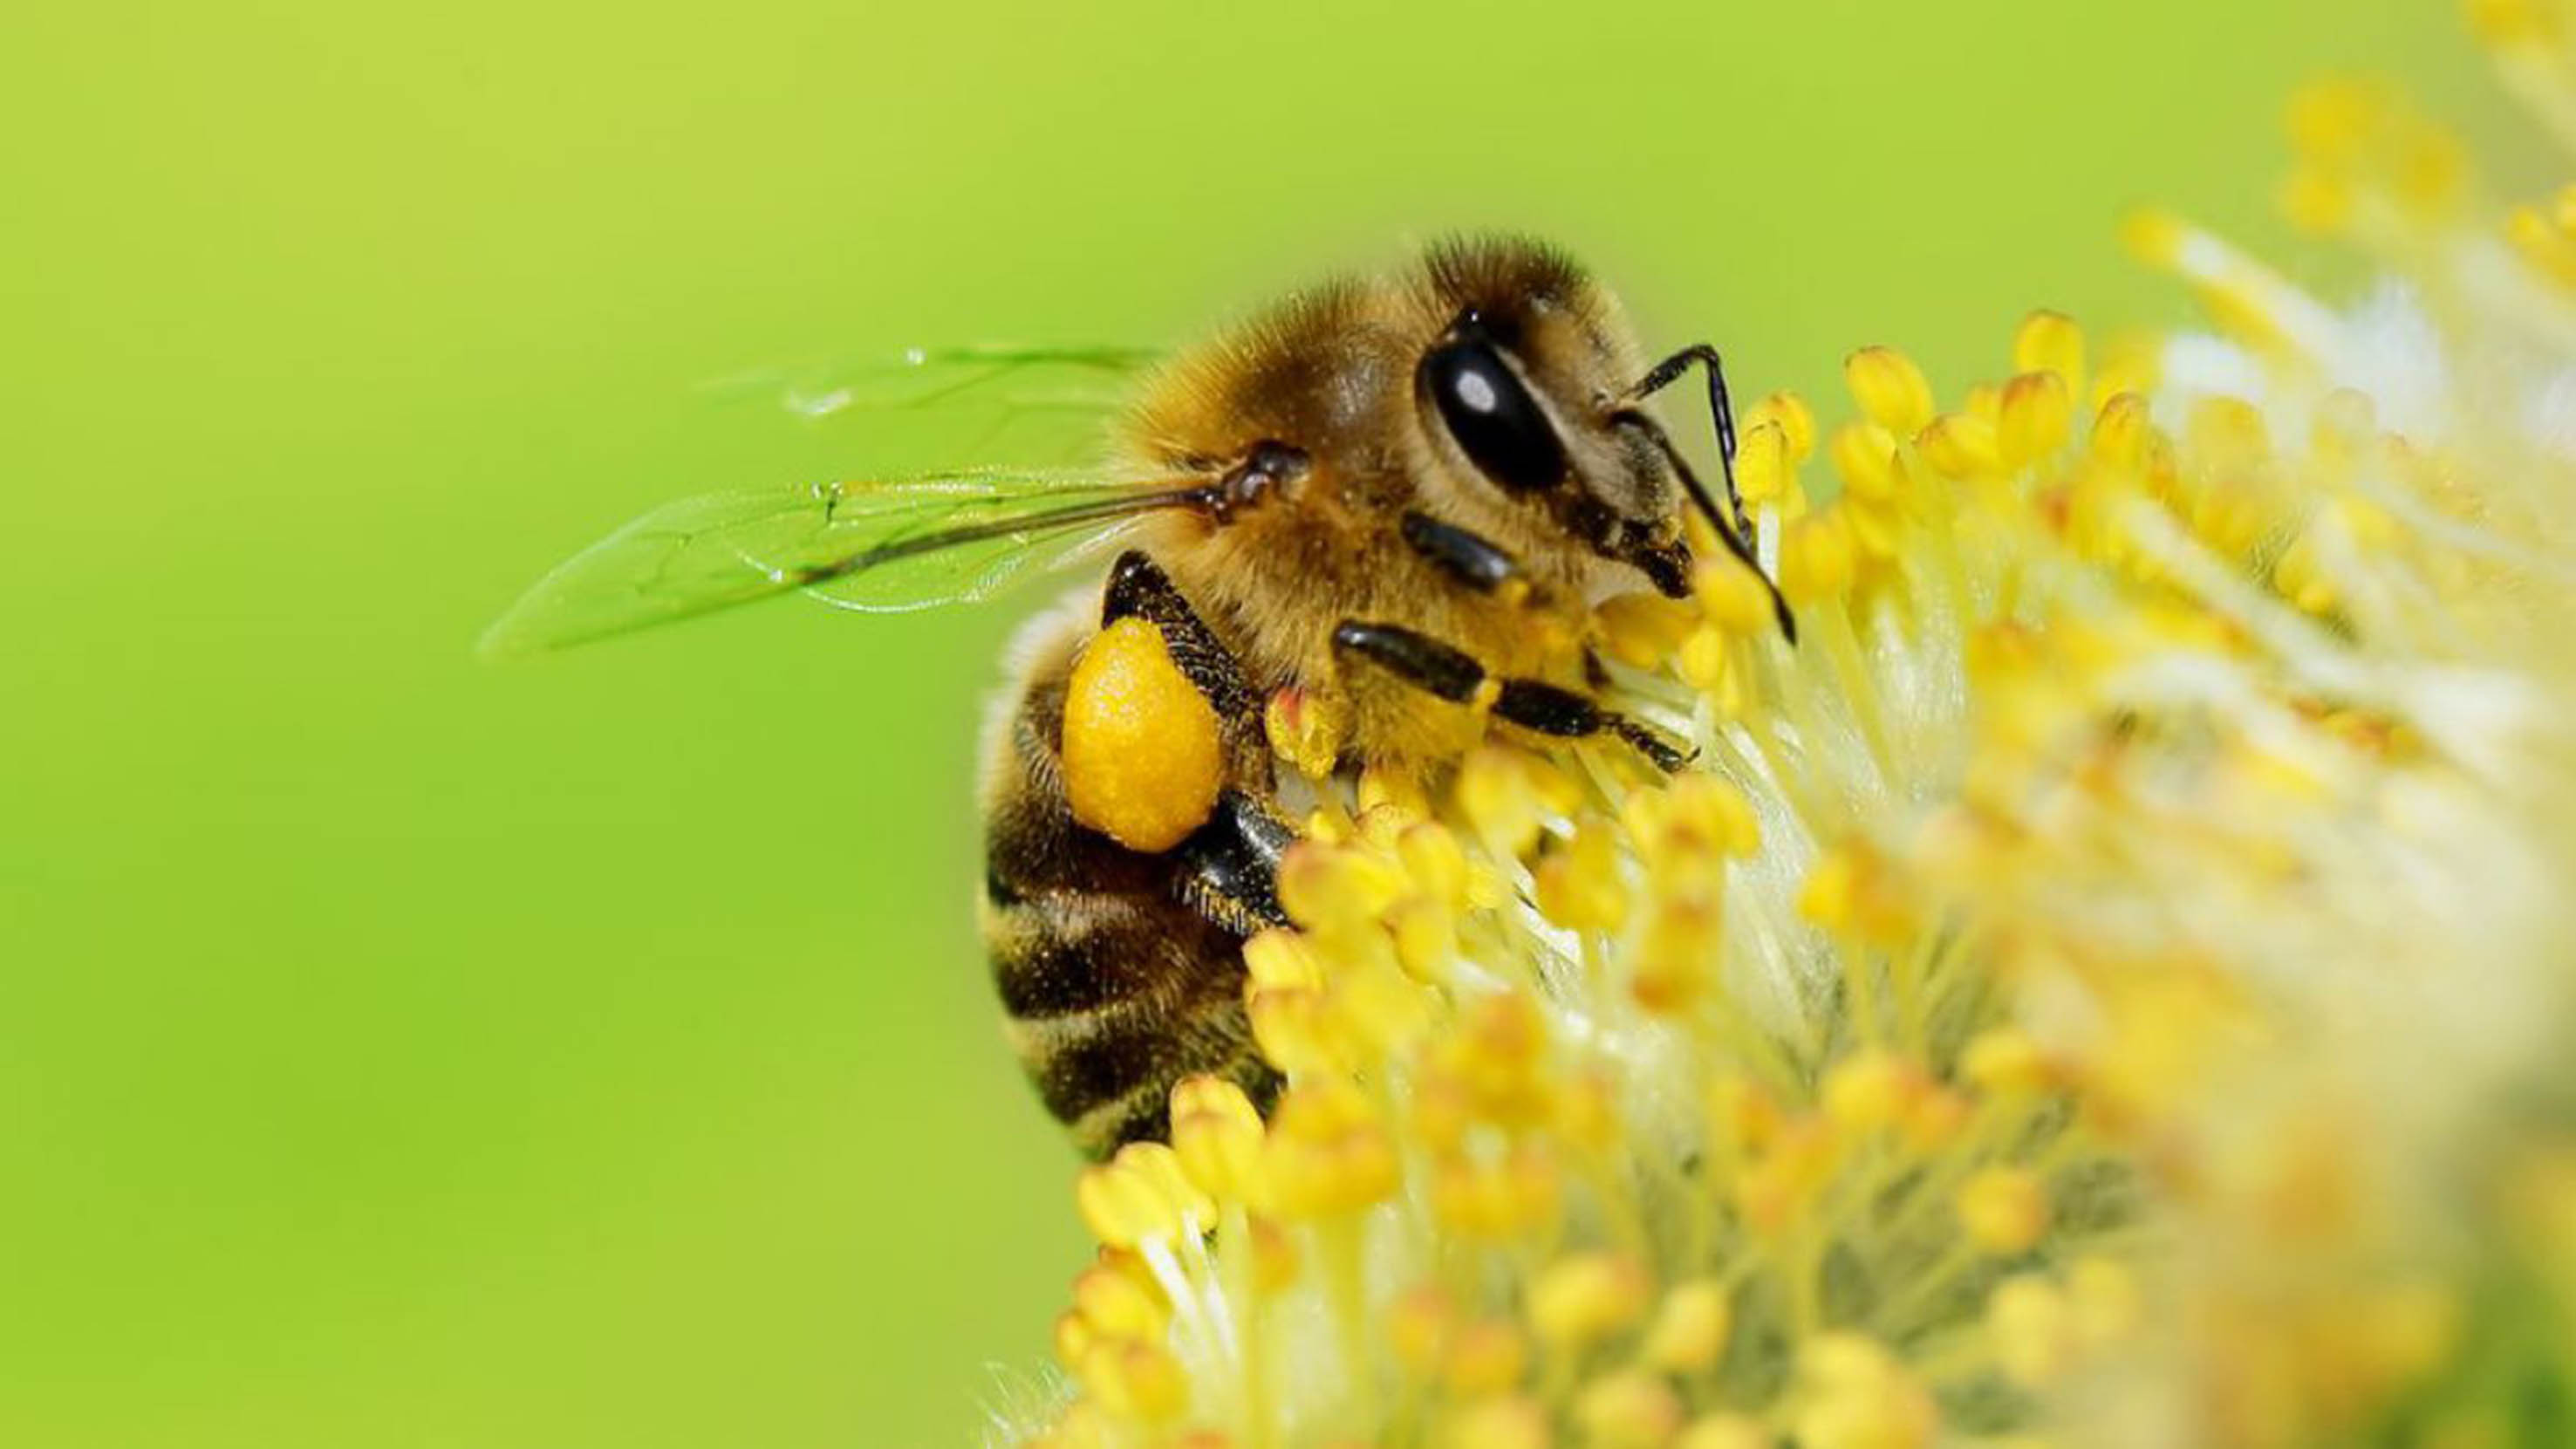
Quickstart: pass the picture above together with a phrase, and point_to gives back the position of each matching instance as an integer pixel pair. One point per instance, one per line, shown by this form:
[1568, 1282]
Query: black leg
[1720, 407]
[1466, 556]
[1230, 866]
[1138, 588]
[1453, 675]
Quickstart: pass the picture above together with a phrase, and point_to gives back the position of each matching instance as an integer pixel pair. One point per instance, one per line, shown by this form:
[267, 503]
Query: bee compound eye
[1496, 423]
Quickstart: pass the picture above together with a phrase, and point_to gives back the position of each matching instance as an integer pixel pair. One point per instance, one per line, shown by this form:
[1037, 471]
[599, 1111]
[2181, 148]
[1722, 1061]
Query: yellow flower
[2105, 985]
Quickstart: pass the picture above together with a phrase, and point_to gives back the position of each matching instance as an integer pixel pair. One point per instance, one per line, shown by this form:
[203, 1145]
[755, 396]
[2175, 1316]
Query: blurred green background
[401, 1051]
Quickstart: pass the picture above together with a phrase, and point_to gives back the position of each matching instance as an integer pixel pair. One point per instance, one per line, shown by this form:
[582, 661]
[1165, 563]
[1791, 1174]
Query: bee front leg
[1454, 675]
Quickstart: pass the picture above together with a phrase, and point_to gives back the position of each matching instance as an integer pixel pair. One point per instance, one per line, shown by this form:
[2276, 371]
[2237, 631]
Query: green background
[396, 1050]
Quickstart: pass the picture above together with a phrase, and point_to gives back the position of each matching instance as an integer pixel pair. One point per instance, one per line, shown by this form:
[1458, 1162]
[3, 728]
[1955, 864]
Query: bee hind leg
[1454, 675]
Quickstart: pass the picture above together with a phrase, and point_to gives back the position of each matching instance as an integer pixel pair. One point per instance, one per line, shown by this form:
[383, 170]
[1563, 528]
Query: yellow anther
[1818, 557]
[1495, 793]
[1643, 630]
[1763, 472]
[1137, 1381]
[2027, 1322]
[1497, 1200]
[1742, 1120]
[2155, 237]
[1628, 1409]
[1865, 459]
[1295, 1029]
[1274, 1256]
[1327, 887]
[1487, 1356]
[1306, 728]
[1327, 1151]
[1706, 667]
[1581, 1299]
[1578, 884]
[1871, 1091]
[2037, 416]
[2121, 432]
[1119, 1208]
[1419, 1325]
[1435, 864]
[2103, 1296]
[1113, 1303]
[1426, 938]
[2051, 342]
[2512, 22]
[1856, 1397]
[1216, 1134]
[1777, 1189]
[1690, 1328]
[2003, 1210]
[1934, 1119]
[1393, 790]
[1731, 595]
[1788, 412]
[1726, 1431]
[1960, 446]
[2004, 1061]
[1677, 954]
[1852, 890]
[1280, 958]
[1507, 1422]
[1587, 1112]
[1496, 1057]
[1142, 758]
[1890, 389]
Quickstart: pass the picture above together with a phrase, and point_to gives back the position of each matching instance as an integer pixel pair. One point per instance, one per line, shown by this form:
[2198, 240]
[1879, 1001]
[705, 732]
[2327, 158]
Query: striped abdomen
[1114, 986]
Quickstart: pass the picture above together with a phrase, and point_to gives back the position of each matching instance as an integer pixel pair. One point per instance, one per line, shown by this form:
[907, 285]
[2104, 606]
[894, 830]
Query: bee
[1389, 502]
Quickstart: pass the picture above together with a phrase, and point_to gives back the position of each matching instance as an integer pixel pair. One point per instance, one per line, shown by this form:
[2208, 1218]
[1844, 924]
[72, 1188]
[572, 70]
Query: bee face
[1524, 393]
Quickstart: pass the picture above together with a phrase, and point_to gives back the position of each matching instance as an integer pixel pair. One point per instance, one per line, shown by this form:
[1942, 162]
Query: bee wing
[1006, 380]
[884, 546]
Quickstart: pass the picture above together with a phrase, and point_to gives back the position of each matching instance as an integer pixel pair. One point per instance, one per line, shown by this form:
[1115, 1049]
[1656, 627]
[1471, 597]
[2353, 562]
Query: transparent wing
[978, 392]
[896, 545]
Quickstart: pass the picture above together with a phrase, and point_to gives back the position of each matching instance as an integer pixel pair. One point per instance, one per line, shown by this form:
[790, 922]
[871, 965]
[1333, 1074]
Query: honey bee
[1388, 503]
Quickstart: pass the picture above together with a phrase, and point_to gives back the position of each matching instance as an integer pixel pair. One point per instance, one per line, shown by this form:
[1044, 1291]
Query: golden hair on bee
[1362, 528]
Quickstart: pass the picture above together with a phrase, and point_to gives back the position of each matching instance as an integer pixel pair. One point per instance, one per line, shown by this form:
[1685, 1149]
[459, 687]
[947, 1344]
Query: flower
[2105, 985]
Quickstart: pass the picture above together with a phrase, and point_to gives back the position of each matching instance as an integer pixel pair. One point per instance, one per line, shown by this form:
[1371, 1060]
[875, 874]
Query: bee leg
[1454, 675]
[1464, 555]
[1139, 589]
[1230, 866]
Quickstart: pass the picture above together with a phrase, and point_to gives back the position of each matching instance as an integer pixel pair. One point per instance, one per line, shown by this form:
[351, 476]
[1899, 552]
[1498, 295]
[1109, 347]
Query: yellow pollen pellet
[1891, 390]
[1142, 757]
[2003, 1210]
[1581, 1299]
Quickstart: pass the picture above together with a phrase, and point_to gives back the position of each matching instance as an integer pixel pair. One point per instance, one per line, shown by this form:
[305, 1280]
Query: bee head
[1526, 392]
